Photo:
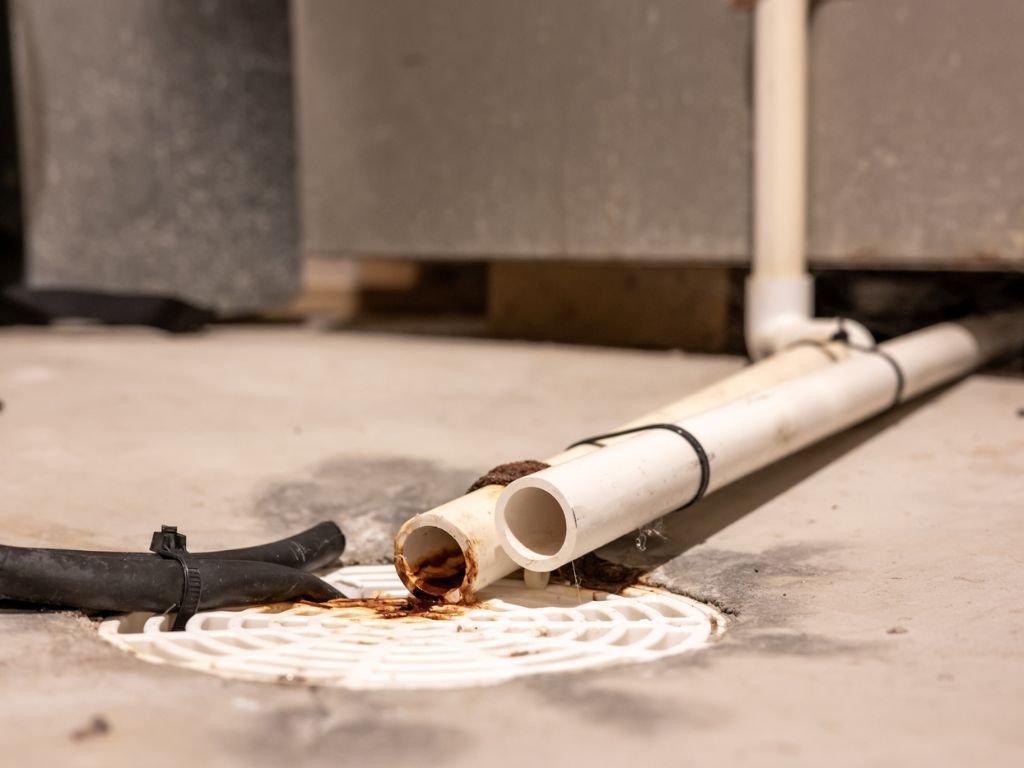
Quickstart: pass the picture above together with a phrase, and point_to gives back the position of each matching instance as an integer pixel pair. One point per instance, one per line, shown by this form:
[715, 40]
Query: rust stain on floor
[394, 607]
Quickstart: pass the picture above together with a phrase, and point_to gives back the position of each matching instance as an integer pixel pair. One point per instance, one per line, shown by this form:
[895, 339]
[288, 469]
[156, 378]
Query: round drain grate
[372, 644]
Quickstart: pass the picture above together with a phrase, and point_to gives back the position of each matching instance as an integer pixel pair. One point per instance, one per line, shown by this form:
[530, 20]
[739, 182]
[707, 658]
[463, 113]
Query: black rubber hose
[112, 581]
[314, 548]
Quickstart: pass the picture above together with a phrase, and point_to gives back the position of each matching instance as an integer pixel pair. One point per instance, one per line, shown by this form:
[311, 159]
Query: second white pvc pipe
[451, 552]
[547, 519]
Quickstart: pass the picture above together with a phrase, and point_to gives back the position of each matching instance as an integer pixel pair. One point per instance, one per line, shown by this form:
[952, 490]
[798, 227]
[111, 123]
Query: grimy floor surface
[877, 579]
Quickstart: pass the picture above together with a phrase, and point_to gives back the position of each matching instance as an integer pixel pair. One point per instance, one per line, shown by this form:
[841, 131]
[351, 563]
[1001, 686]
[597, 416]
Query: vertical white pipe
[780, 138]
[780, 292]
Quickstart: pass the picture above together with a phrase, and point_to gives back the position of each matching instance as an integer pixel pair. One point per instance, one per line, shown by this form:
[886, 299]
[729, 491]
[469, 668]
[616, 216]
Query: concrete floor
[876, 579]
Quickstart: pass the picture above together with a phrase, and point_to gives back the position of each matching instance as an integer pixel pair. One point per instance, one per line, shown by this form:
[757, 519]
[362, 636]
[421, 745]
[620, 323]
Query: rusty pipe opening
[432, 565]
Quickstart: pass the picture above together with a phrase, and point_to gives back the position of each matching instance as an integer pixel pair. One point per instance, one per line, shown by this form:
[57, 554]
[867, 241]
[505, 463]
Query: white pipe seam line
[549, 518]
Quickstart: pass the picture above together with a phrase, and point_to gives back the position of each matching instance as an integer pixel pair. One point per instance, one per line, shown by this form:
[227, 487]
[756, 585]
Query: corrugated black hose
[173, 578]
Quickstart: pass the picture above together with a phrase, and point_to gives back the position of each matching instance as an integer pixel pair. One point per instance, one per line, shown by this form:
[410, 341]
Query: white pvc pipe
[779, 292]
[780, 138]
[452, 551]
[779, 307]
[549, 518]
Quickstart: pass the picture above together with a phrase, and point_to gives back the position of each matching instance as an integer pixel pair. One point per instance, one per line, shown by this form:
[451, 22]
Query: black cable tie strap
[901, 379]
[170, 544]
[843, 337]
[702, 455]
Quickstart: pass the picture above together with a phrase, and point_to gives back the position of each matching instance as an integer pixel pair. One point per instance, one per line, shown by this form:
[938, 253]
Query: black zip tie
[170, 544]
[901, 380]
[702, 455]
[843, 337]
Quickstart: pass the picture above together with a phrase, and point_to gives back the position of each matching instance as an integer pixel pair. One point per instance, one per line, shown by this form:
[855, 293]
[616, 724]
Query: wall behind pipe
[158, 151]
[594, 128]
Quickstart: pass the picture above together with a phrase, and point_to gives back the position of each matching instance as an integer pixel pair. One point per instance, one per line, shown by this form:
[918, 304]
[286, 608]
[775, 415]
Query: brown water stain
[395, 607]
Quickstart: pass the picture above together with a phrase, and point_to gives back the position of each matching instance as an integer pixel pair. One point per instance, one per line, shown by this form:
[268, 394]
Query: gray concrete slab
[875, 580]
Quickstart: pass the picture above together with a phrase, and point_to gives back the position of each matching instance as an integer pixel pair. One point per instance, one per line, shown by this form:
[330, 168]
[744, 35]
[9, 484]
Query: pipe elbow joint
[780, 312]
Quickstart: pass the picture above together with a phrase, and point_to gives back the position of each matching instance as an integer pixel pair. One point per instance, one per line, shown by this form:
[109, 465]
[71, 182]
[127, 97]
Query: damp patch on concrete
[761, 591]
[752, 584]
[368, 498]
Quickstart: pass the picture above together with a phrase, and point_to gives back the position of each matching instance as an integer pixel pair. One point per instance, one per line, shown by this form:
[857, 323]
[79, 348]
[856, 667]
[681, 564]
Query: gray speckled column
[157, 144]
[10, 195]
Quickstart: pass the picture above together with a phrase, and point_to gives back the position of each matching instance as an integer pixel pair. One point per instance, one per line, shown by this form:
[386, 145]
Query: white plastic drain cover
[512, 632]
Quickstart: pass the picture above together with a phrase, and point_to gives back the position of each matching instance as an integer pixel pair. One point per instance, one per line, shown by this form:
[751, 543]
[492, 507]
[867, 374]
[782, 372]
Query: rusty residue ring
[503, 474]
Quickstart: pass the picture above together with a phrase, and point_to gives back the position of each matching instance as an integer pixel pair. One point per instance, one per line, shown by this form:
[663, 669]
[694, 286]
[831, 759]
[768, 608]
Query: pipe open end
[433, 565]
[534, 523]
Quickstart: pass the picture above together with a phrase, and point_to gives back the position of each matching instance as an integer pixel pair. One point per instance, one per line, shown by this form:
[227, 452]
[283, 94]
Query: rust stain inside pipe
[444, 572]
